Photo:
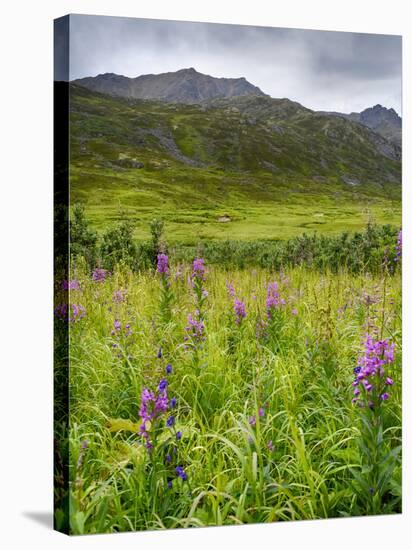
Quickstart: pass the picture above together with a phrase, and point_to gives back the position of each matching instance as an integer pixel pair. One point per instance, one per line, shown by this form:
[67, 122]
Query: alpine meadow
[228, 329]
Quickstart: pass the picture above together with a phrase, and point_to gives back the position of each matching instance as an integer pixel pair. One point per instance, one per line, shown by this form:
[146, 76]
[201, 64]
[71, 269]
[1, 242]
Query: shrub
[83, 240]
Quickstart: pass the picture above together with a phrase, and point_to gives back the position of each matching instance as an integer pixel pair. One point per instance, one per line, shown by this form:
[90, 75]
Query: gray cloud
[320, 69]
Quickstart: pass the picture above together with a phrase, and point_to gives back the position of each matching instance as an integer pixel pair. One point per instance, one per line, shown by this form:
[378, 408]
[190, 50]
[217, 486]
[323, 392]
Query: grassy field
[194, 203]
[263, 428]
[270, 168]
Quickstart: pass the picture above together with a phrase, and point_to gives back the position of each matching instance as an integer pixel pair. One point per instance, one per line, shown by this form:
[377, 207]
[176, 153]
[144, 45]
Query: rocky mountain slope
[383, 121]
[249, 134]
[270, 168]
[184, 86]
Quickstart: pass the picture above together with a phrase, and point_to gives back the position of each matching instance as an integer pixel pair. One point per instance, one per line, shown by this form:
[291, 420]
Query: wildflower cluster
[195, 329]
[198, 269]
[99, 274]
[240, 311]
[120, 332]
[70, 285]
[119, 296]
[163, 264]
[153, 406]
[157, 412]
[230, 289]
[261, 329]
[167, 294]
[198, 277]
[273, 299]
[399, 247]
[371, 382]
[70, 313]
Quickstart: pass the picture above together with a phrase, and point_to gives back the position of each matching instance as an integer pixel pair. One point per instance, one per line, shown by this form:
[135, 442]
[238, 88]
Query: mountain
[383, 121]
[183, 86]
[271, 166]
[249, 133]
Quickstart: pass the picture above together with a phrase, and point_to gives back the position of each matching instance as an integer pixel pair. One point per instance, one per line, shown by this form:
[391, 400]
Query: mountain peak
[188, 70]
[173, 87]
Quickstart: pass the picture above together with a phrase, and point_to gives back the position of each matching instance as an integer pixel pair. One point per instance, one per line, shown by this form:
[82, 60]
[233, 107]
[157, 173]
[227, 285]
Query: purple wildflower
[173, 402]
[198, 269]
[252, 420]
[399, 246]
[261, 329]
[70, 314]
[261, 412]
[181, 473]
[70, 285]
[230, 289]
[370, 372]
[169, 369]
[99, 274]
[119, 296]
[163, 264]
[179, 435]
[273, 300]
[153, 405]
[170, 421]
[240, 311]
[162, 384]
[270, 445]
[195, 329]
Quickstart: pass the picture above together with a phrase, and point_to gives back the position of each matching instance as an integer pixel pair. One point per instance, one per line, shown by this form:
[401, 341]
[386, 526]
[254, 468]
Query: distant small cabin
[224, 219]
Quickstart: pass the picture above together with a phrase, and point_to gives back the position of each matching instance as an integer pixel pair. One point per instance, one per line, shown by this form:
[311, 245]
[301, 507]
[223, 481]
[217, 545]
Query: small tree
[156, 230]
[82, 239]
[118, 245]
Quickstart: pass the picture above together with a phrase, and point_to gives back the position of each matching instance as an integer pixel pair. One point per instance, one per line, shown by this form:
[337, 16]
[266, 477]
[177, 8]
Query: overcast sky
[322, 70]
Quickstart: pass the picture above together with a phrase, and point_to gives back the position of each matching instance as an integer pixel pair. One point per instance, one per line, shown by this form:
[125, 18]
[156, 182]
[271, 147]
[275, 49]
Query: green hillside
[243, 168]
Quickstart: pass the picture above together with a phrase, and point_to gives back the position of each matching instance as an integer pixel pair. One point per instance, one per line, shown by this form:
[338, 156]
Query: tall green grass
[296, 462]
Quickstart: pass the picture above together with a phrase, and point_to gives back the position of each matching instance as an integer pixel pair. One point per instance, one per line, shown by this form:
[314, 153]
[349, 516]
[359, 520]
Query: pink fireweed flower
[163, 264]
[399, 246]
[70, 285]
[195, 329]
[261, 329]
[71, 314]
[198, 269]
[119, 296]
[370, 371]
[99, 274]
[153, 406]
[230, 289]
[273, 300]
[240, 311]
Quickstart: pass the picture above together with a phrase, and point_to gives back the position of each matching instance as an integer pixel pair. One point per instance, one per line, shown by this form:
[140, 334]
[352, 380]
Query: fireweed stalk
[275, 312]
[398, 256]
[158, 432]
[198, 277]
[371, 391]
[236, 324]
[122, 335]
[166, 292]
[195, 328]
